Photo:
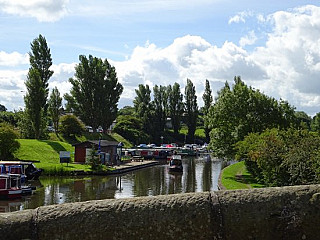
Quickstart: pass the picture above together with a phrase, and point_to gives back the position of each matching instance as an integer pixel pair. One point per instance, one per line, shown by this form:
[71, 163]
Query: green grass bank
[236, 176]
[47, 153]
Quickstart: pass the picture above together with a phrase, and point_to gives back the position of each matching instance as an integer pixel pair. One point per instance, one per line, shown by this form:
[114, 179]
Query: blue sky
[273, 45]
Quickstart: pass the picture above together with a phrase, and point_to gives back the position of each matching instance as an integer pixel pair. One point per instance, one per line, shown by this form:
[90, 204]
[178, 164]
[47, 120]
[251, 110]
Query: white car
[89, 129]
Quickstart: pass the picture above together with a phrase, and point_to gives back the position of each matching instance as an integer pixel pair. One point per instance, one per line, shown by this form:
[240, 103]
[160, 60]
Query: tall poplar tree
[95, 92]
[144, 107]
[191, 109]
[55, 105]
[37, 86]
[160, 102]
[176, 107]
[207, 100]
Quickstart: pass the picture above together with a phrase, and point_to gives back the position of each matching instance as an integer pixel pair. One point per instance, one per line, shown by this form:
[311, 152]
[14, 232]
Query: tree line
[241, 122]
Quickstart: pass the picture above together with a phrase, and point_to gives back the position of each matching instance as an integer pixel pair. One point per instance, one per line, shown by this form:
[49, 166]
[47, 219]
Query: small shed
[107, 149]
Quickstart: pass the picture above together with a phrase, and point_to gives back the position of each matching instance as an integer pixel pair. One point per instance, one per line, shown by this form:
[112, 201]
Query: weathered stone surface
[184, 216]
[16, 225]
[271, 213]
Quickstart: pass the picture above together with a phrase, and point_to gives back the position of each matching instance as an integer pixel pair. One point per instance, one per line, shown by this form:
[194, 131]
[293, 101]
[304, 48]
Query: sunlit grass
[236, 176]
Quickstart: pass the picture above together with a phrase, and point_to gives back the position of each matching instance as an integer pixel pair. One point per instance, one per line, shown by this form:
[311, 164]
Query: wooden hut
[107, 150]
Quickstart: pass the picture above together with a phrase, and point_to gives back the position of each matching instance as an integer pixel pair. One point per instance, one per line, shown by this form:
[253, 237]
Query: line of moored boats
[14, 177]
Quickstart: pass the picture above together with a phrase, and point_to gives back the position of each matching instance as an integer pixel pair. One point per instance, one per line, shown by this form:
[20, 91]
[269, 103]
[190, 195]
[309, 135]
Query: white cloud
[249, 39]
[42, 10]
[13, 59]
[240, 17]
[286, 66]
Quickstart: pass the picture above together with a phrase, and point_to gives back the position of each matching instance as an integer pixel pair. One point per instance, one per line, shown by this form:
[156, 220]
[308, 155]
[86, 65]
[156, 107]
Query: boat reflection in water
[198, 176]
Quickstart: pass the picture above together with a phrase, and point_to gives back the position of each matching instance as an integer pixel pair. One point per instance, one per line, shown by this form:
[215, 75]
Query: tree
[2, 108]
[160, 104]
[131, 128]
[55, 105]
[37, 85]
[207, 100]
[282, 157]
[315, 123]
[176, 107]
[95, 92]
[191, 109]
[303, 120]
[71, 125]
[241, 110]
[143, 106]
[127, 110]
[8, 142]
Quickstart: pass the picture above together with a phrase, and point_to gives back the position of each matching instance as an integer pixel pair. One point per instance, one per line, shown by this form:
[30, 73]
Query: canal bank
[131, 166]
[119, 169]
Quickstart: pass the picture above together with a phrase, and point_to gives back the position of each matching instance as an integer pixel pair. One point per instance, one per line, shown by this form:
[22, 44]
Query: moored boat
[10, 186]
[27, 170]
[175, 164]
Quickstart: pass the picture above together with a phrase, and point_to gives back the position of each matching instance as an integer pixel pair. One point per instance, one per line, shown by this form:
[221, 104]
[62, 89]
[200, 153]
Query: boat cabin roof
[15, 163]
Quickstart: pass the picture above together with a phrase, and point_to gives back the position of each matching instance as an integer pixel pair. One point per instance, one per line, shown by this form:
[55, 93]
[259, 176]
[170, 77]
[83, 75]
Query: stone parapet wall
[270, 213]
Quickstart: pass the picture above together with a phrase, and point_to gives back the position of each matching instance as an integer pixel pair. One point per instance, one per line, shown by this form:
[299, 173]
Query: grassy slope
[236, 176]
[47, 152]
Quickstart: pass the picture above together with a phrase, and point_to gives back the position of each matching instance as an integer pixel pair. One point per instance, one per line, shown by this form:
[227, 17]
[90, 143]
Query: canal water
[198, 175]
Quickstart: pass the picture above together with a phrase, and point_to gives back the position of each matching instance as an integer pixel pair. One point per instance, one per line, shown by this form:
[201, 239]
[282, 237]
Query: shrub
[8, 142]
[71, 125]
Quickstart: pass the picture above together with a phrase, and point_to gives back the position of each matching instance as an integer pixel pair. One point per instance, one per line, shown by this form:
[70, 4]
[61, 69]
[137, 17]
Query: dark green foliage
[95, 92]
[70, 125]
[207, 100]
[131, 128]
[127, 110]
[144, 107]
[2, 108]
[37, 86]
[160, 104]
[282, 157]
[303, 120]
[191, 110]
[8, 142]
[315, 123]
[243, 110]
[55, 105]
[94, 160]
[9, 117]
[176, 107]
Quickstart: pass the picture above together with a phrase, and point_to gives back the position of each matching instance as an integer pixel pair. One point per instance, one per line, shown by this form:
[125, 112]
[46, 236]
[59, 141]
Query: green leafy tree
[94, 160]
[8, 142]
[207, 100]
[160, 104]
[2, 108]
[144, 107]
[191, 109]
[37, 85]
[71, 125]
[282, 157]
[95, 92]
[127, 110]
[315, 123]
[176, 106]
[243, 110]
[9, 117]
[131, 128]
[55, 105]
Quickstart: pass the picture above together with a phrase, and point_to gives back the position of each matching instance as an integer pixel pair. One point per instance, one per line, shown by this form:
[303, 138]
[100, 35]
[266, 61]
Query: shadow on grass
[246, 179]
[55, 146]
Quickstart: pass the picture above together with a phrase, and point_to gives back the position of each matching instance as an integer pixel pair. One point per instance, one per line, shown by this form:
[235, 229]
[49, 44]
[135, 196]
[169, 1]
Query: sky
[273, 45]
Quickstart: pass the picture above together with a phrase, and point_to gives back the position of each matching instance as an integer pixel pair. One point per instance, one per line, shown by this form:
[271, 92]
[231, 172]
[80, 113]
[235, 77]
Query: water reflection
[198, 176]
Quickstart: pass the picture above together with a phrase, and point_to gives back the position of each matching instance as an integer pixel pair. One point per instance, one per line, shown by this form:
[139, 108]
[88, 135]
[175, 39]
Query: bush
[279, 157]
[71, 125]
[8, 142]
